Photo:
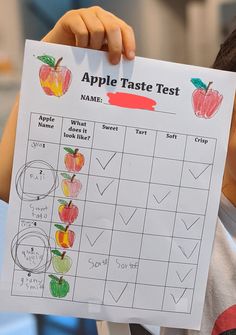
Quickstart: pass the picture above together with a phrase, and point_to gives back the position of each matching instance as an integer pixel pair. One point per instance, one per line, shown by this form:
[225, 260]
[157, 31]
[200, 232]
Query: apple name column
[36, 182]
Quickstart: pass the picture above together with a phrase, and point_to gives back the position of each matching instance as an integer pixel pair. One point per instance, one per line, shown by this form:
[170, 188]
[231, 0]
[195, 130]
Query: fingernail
[131, 54]
[115, 60]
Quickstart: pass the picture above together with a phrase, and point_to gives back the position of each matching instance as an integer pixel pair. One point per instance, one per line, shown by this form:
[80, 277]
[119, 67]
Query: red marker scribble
[128, 100]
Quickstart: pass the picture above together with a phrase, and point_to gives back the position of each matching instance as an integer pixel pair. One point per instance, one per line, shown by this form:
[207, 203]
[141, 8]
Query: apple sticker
[206, 101]
[54, 78]
[74, 160]
[68, 212]
[59, 287]
[61, 262]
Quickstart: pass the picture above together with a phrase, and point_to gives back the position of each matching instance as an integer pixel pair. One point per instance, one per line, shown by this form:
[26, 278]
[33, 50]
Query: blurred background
[184, 31]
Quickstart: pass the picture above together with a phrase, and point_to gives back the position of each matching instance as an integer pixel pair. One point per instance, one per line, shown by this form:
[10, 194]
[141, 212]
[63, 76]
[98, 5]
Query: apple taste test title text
[80, 130]
[126, 83]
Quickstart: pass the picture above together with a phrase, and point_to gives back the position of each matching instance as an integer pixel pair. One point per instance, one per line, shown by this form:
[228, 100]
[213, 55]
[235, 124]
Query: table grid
[174, 252]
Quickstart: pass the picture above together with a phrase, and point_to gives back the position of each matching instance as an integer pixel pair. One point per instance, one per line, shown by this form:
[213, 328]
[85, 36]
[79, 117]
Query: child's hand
[97, 29]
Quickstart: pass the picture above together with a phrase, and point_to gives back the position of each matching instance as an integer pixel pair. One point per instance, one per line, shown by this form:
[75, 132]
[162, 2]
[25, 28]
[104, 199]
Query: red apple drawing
[68, 212]
[54, 78]
[71, 186]
[74, 160]
[206, 101]
[64, 237]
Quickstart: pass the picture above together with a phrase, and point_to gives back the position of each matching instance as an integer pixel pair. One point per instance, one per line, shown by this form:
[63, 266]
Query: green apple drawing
[59, 287]
[61, 262]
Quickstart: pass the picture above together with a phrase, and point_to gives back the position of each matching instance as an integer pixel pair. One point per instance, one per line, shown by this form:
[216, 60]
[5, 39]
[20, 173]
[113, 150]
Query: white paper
[145, 191]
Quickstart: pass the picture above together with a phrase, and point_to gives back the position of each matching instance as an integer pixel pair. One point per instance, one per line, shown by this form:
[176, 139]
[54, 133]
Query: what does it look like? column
[69, 205]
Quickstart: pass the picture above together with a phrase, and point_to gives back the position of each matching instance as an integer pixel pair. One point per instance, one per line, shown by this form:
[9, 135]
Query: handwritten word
[32, 256]
[96, 264]
[39, 212]
[35, 145]
[124, 266]
[32, 283]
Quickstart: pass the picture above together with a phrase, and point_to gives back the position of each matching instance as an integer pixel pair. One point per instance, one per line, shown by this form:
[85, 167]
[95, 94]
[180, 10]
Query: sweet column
[99, 213]
[36, 182]
[68, 206]
[189, 223]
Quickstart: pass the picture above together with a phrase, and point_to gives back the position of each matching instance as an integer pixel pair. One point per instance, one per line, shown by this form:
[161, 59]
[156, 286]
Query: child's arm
[6, 153]
[92, 28]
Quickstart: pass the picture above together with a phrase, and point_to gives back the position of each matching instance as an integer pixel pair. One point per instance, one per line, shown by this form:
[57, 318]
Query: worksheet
[115, 187]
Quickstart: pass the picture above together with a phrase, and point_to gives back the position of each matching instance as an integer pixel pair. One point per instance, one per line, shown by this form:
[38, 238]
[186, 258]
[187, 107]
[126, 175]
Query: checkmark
[185, 253]
[104, 166]
[128, 220]
[92, 243]
[191, 225]
[159, 201]
[182, 279]
[102, 191]
[176, 301]
[117, 299]
[198, 175]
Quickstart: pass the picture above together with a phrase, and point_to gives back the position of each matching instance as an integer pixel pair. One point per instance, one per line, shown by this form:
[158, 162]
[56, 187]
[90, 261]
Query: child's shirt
[219, 315]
